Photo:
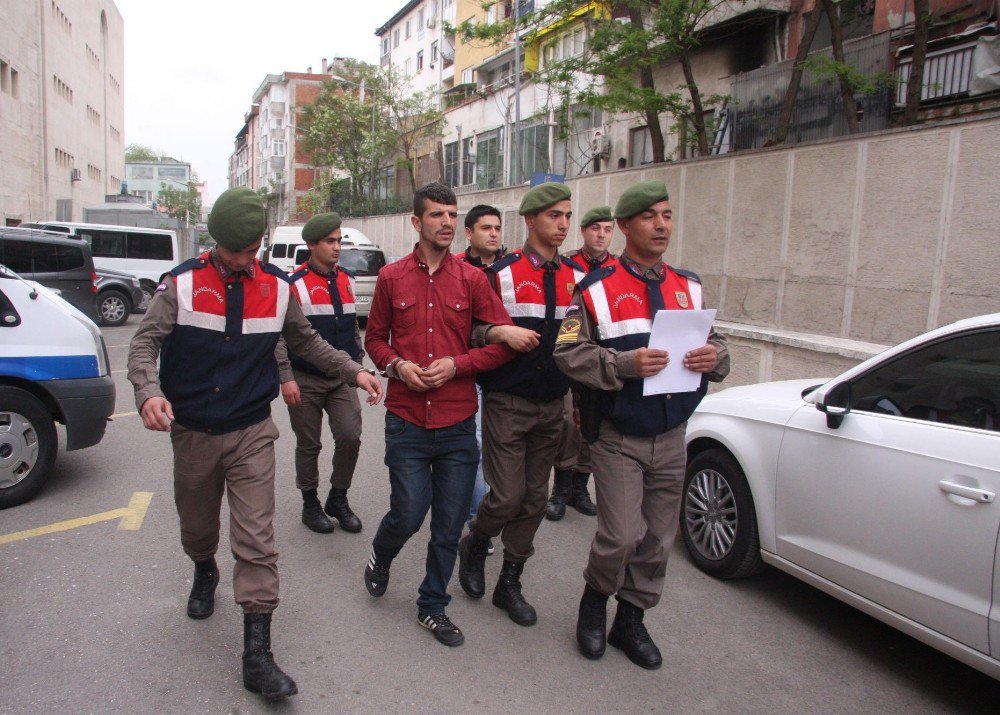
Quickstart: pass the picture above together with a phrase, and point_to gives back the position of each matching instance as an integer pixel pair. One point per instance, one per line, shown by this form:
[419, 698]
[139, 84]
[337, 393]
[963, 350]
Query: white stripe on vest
[310, 308]
[270, 325]
[522, 310]
[186, 314]
[607, 329]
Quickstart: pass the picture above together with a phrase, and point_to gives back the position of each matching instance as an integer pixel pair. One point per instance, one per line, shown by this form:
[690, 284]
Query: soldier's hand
[521, 339]
[157, 414]
[372, 385]
[290, 393]
[438, 372]
[411, 374]
[648, 361]
[703, 359]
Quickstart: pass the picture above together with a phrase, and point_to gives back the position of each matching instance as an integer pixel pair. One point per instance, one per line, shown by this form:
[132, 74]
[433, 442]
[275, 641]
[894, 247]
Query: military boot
[338, 507]
[260, 673]
[629, 635]
[579, 496]
[555, 509]
[312, 513]
[592, 623]
[507, 595]
[472, 552]
[201, 602]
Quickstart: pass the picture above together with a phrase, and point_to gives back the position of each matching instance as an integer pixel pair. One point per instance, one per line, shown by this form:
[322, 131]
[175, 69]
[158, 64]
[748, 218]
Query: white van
[53, 368]
[146, 253]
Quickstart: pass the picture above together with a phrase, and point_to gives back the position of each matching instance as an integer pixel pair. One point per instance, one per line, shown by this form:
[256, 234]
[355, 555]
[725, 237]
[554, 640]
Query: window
[467, 75]
[395, 38]
[534, 150]
[434, 53]
[408, 66]
[362, 261]
[383, 182]
[278, 147]
[489, 159]
[420, 61]
[278, 250]
[149, 246]
[573, 155]
[955, 381]
[104, 244]
[68, 258]
[451, 164]
[468, 162]
[407, 26]
[640, 150]
[16, 255]
[491, 14]
[173, 172]
[566, 46]
[385, 45]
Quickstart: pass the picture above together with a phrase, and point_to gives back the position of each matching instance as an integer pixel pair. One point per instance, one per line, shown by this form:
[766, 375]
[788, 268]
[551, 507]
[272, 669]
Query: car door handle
[979, 495]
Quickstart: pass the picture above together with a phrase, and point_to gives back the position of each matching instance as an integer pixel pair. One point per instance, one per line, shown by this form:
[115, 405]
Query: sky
[191, 68]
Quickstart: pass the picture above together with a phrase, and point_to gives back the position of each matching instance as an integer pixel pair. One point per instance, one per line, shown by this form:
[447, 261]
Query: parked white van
[146, 253]
[53, 368]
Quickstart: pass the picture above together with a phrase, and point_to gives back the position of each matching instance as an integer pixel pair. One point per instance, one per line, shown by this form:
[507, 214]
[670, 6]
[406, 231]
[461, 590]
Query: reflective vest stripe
[270, 324]
[533, 310]
[694, 289]
[506, 280]
[304, 292]
[186, 314]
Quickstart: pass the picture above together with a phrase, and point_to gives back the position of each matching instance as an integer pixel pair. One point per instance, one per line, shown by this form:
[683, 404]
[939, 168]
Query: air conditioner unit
[75, 175]
[431, 22]
[600, 145]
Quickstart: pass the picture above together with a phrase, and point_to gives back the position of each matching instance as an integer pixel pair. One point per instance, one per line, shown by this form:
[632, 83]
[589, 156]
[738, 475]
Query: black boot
[629, 635]
[201, 602]
[312, 513]
[592, 623]
[472, 552]
[579, 497]
[507, 595]
[260, 673]
[555, 509]
[339, 509]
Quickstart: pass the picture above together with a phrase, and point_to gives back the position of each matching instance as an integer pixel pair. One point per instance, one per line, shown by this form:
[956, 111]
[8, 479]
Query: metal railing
[947, 73]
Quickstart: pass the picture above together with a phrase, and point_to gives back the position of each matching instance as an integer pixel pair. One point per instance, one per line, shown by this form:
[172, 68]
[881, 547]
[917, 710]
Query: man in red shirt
[419, 331]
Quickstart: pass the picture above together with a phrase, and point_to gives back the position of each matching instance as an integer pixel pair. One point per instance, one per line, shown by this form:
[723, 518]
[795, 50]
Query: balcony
[947, 73]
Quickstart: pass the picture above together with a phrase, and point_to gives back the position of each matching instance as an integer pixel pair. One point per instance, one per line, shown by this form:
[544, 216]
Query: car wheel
[113, 307]
[27, 446]
[718, 519]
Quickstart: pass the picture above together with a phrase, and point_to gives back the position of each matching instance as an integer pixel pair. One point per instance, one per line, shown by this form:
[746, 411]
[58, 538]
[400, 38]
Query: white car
[877, 487]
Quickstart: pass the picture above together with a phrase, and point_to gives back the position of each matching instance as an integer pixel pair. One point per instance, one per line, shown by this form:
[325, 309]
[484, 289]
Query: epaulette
[350, 274]
[687, 274]
[568, 260]
[501, 263]
[273, 270]
[189, 265]
[599, 275]
[297, 275]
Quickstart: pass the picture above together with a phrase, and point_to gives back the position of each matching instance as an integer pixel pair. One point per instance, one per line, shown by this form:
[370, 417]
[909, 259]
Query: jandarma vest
[623, 303]
[537, 299]
[217, 366]
[328, 304]
[581, 265]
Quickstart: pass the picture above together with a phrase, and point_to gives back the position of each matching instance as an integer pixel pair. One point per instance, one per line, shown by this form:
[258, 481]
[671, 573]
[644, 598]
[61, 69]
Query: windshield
[362, 261]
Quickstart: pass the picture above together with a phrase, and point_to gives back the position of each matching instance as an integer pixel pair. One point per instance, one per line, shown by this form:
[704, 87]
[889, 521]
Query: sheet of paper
[677, 332]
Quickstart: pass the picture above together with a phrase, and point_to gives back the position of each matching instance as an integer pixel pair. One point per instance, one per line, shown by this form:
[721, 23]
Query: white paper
[677, 332]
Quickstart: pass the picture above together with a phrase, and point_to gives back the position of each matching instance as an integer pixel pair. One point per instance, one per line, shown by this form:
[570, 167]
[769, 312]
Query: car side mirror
[835, 403]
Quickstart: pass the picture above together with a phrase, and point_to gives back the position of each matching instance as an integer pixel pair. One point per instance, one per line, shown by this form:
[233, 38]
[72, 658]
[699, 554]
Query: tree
[915, 83]
[139, 152]
[181, 203]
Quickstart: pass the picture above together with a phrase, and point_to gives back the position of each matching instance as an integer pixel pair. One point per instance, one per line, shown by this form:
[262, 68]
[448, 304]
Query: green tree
[139, 152]
[182, 204]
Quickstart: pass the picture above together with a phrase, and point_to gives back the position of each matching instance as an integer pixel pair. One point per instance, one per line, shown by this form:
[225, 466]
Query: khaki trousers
[574, 453]
[241, 464]
[343, 409]
[639, 481]
[520, 441]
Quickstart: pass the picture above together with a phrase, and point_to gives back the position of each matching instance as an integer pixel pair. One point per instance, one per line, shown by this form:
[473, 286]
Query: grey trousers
[343, 408]
[639, 481]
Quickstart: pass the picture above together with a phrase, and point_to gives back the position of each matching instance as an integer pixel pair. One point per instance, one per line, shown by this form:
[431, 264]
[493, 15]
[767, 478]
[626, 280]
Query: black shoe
[555, 508]
[376, 576]
[507, 595]
[260, 673]
[579, 497]
[313, 516]
[201, 602]
[443, 629]
[337, 507]
[629, 635]
[472, 553]
[592, 623]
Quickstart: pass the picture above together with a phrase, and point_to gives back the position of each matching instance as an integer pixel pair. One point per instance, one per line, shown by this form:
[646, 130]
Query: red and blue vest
[535, 298]
[217, 366]
[328, 304]
[622, 303]
[582, 265]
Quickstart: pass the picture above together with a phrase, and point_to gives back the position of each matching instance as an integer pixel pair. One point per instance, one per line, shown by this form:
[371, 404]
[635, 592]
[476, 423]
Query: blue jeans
[431, 469]
[479, 491]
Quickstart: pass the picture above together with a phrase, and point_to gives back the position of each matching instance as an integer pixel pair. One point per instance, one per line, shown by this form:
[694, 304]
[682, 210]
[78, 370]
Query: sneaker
[490, 548]
[443, 629]
[376, 576]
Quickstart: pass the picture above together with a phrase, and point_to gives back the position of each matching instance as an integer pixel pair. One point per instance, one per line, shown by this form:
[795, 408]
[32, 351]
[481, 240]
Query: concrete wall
[817, 256]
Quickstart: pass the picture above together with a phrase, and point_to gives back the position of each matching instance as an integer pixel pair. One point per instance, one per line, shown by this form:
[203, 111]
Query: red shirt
[422, 317]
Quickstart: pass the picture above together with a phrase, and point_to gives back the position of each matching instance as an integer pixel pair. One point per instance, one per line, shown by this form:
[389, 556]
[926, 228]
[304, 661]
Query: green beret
[601, 213]
[542, 196]
[640, 197]
[238, 219]
[320, 226]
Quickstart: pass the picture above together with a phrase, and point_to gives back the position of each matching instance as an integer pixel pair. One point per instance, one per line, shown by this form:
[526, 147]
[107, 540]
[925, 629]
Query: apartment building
[415, 42]
[62, 107]
[145, 178]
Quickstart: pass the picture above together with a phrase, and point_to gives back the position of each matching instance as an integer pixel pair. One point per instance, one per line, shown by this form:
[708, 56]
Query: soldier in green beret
[213, 324]
[637, 442]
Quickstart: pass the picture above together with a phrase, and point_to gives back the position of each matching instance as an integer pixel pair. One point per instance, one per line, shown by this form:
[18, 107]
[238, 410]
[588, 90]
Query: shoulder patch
[594, 276]
[273, 270]
[687, 274]
[189, 265]
[502, 263]
[569, 331]
[160, 288]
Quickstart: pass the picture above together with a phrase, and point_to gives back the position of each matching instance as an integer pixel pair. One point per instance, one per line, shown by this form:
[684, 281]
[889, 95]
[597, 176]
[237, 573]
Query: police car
[53, 368]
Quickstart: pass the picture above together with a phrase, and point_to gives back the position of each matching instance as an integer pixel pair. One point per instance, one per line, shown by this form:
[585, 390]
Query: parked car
[877, 487]
[53, 368]
[118, 295]
[58, 262]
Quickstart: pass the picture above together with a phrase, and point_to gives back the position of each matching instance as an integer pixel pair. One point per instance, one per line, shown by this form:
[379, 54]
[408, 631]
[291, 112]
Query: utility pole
[516, 147]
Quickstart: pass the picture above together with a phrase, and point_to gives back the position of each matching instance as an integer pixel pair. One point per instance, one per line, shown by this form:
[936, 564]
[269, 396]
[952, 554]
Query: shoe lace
[441, 620]
[380, 570]
[639, 632]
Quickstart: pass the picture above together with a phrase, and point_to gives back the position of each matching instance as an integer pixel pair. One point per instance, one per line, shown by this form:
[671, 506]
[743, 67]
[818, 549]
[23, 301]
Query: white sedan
[877, 487]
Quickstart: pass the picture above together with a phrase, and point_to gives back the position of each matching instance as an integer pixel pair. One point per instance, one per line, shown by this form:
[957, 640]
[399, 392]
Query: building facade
[145, 178]
[62, 107]
[415, 41]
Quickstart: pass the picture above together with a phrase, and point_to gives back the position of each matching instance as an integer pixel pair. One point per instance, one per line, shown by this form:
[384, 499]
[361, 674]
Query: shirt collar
[478, 262]
[657, 273]
[421, 263]
[538, 261]
[213, 256]
[320, 271]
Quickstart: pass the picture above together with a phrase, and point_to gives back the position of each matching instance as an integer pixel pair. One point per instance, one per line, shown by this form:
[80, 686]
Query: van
[146, 253]
[60, 263]
[358, 255]
[53, 368]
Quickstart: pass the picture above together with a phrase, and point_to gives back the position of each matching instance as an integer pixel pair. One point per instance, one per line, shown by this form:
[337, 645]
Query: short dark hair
[480, 210]
[434, 191]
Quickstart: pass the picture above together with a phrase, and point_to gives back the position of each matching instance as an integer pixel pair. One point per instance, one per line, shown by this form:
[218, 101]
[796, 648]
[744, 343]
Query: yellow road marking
[131, 520]
[124, 414]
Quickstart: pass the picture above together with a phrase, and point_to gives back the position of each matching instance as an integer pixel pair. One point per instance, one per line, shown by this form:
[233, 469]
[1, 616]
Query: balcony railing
[946, 73]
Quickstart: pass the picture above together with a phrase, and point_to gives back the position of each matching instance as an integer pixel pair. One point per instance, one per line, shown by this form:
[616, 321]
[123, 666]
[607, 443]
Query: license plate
[362, 299]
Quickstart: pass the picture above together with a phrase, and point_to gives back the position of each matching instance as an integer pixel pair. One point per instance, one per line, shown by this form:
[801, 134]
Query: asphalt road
[93, 617]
